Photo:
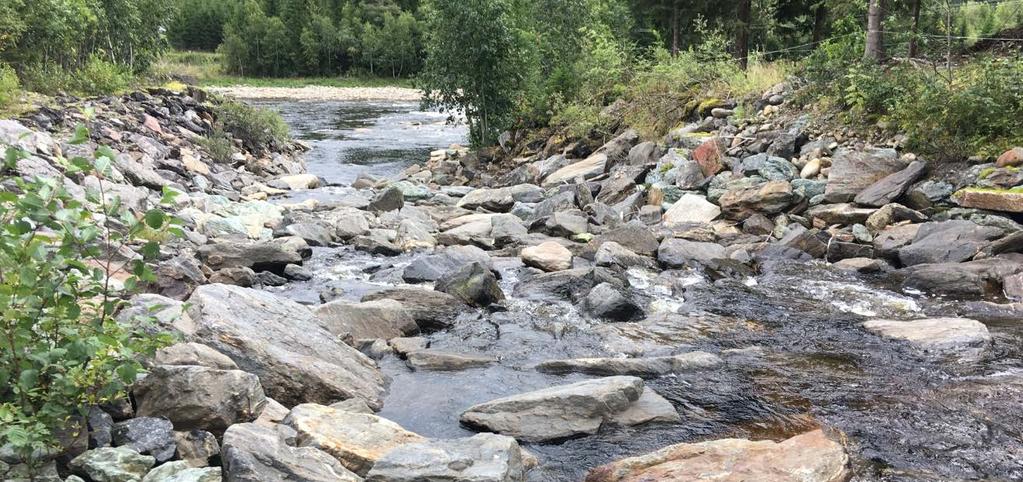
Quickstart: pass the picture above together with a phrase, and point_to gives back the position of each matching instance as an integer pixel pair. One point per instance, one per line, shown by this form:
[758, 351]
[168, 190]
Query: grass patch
[205, 69]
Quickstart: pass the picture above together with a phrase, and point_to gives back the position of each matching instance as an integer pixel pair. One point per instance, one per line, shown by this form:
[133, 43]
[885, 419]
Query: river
[796, 355]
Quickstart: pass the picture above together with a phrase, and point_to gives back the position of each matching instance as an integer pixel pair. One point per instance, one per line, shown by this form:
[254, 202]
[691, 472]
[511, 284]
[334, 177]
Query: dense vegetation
[80, 45]
[900, 66]
[303, 37]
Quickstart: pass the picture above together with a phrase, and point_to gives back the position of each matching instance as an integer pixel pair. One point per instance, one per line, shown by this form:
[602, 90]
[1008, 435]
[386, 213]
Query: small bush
[218, 146]
[257, 128]
[63, 349]
[99, 77]
[8, 85]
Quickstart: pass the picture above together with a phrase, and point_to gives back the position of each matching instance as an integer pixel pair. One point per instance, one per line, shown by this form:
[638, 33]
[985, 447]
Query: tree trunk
[916, 28]
[742, 34]
[820, 22]
[875, 33]
[674, 28]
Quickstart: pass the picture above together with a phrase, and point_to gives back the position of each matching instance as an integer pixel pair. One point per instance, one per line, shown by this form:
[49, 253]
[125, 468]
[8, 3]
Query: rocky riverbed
[750, 298]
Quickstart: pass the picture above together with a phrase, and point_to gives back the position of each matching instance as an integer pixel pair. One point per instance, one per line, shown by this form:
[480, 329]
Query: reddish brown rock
[710, 155]
[1005, 201]
[1011, 157]
[810, 457]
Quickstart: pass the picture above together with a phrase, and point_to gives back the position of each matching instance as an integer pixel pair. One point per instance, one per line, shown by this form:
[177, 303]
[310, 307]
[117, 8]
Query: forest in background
[526, 64]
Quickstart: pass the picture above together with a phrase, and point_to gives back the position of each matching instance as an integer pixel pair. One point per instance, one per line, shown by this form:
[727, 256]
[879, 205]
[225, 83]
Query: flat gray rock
[559, 412]
[640, 367]
[436, 360]
[484, 457]
[936, 335]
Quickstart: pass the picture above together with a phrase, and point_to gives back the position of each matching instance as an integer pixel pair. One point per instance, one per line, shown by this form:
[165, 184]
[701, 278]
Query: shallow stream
[796, 355]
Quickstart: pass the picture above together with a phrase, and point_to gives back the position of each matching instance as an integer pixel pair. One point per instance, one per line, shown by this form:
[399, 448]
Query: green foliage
[977, 111]
[61, 350]
[474, 63]
[258, 128]
[199, 24]
[100, 76]
[8, 85]
[319, 37]
[96, 77]
[218, 145]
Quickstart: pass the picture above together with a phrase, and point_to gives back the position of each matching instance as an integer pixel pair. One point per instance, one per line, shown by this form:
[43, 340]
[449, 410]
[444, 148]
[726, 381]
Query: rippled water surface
[796, 355]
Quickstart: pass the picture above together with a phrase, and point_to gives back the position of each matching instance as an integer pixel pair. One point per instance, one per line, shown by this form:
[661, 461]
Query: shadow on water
[796, 356]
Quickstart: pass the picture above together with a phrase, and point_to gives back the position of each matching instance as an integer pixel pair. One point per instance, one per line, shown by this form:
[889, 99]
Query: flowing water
[796, 355]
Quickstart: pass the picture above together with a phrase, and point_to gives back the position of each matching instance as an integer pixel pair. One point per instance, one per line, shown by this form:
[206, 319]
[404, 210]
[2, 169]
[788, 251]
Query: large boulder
[691, 208]
[768, 198]
[444, 262]
[484, 457]
[184, 354]
[608, 302]
[970, 279]
[853, 170]
[432, 310]
[947, 242]
[935, 335]
[588, 168]
[370, 319]
[117, 464]
[810, 457]
[992, 200]
[180, 471]
[437, 360]
[283, 343]
[257, 453]
[676, 253]
[357, 440]
[146, 435]
[259, 256]
[639, 367]
[566, 411]
[634, 236]
[474, 284]
[892, 186]
[390, 199]
[501, 199]
[548, 256]
[199, 398]
[621, 183]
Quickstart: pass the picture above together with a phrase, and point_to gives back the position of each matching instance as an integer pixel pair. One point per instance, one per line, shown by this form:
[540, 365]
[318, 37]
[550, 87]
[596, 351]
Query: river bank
[621, 311]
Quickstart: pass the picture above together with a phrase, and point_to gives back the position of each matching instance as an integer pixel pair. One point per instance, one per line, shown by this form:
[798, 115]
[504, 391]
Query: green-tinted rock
[180, 471]
[117, 464]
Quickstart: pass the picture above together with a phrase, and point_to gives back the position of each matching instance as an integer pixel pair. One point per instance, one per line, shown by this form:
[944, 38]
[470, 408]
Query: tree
[473, 63]
[875, 34]
[742, 33]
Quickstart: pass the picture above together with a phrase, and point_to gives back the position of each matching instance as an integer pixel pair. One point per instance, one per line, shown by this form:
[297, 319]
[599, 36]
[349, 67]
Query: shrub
[218, 145]
[46, 78]
[62, 350]
[975, 111]
[99, 77]
[257, 128]
[8, 85]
